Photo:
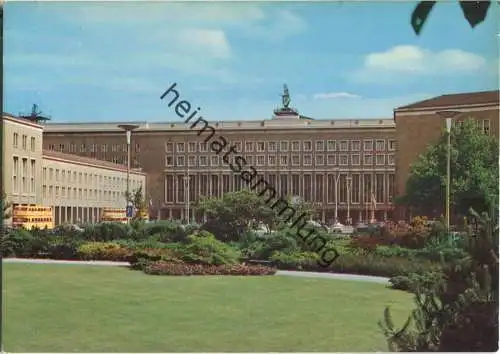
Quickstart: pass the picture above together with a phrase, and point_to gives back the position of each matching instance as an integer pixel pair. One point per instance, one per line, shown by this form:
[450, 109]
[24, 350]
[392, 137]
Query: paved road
[366, 278]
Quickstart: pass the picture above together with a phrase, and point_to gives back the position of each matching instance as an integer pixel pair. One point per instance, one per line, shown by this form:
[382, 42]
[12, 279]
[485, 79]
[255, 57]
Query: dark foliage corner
[475, 12]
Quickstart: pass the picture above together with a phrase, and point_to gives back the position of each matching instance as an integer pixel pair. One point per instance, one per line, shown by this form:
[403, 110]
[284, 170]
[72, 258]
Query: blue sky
[96, 61]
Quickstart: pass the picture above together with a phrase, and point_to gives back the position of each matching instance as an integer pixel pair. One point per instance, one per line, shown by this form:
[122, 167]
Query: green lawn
[72, 308]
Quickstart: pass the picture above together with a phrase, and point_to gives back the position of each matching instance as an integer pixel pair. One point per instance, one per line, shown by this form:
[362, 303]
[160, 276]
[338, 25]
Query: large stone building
[347, 168]
[76, 187]
[344, 167]
[421, 123]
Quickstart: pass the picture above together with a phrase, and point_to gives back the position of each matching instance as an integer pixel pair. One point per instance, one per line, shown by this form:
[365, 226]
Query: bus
[114, 215]
[32, 216]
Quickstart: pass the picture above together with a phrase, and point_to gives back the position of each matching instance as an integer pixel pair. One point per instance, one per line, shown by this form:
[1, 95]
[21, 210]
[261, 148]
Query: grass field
[74, 308]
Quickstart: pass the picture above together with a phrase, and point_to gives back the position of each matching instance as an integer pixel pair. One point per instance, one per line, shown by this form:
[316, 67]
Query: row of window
[275, 146]
[61, 192]
[285, 160]
[73, 148]
[320, 187]
[88, 179]
[23, 175]
[24, 142]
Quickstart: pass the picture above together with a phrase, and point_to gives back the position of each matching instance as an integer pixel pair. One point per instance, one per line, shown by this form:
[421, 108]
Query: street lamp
[349, 180]
[448, 116]
[128, 128]
[337, 177]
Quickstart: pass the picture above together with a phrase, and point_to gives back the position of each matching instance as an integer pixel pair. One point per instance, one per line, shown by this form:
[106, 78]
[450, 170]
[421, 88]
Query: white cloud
[333, 95]
[416, 61]
[213, 43]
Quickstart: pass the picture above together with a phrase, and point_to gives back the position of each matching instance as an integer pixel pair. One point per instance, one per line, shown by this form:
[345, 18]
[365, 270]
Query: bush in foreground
[103, 251]
[183, 269]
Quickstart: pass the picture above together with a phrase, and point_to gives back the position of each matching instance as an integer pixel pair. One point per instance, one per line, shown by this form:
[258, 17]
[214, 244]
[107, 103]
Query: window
[260, 160]
[203, 147]
[307, 160]
[191, 160]
[180, 161]
[392, 145]
[137, 148]
[356, 159]
[271, 145]
[344, 145]
[320, 145]
[343, 160]
[330, 145]
[356, 145]
[330, 160]
[284, 146]
[380, 159]
[25, 141]
[368, 145]
[169, 147]
[83, 148]
[169, 161]
[271, 160]
[104, 148]
[307, 145]
[72, 147]
[203, 161]
[249, 159]
[248, 146]
[33, 143]
[15, 140]
[261, 146]
[295, 160]
[214, 161]
[92, 147]
[283, 160]
[320, 160]
[295, 146]
[180, 147]
[380, 145]
[367, 159]
[390, 159]
[237, 146]
[486, 126]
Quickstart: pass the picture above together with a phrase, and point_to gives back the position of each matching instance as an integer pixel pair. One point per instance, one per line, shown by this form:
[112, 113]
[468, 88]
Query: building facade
[420, 124]
[346, 168]
[77, 188]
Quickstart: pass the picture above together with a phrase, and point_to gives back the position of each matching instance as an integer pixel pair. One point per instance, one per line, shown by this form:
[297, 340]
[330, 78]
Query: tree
[474, 173]
[236, 212]
[136, 198]
[474, 12]
[6, 207]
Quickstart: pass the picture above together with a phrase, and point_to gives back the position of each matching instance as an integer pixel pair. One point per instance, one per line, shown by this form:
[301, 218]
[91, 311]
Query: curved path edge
[341, 276]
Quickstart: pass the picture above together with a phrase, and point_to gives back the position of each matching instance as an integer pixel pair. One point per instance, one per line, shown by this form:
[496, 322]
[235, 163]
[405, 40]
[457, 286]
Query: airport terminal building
[348, 169]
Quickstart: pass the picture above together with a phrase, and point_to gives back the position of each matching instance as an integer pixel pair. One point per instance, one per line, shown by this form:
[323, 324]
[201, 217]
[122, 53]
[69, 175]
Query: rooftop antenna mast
[35, 116]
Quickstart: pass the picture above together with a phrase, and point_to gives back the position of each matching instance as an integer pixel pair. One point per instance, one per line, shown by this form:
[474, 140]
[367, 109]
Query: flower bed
[183, 269]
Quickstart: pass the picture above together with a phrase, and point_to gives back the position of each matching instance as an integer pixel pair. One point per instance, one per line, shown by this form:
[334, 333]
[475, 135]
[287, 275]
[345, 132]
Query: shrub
[284, 241]
[204, 248]
[17, 243]
[140, 258]
[378, 266]
[168, 268]
[167, 231]
[363, 244]
[295, 261]
[414, 282]
[107, 231]
[103, 251]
